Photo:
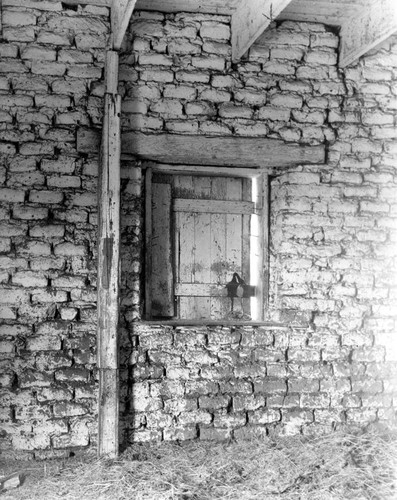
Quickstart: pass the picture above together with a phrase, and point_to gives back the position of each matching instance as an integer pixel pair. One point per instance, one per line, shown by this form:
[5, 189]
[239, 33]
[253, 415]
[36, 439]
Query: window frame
[261, 210]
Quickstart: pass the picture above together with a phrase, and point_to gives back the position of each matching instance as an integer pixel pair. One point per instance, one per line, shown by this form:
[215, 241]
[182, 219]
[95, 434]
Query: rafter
[361, 33]
[121, 15]
[250, 20]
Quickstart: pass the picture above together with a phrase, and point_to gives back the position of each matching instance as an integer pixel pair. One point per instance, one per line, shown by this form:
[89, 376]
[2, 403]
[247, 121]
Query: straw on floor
[341, 465]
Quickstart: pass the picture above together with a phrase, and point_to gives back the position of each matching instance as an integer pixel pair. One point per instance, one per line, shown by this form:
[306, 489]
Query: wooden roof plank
[364, 31]
[250, 20]
[121, 15]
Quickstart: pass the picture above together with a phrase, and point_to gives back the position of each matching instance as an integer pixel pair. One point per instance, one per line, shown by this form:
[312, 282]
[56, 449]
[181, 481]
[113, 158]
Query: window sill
[218, 322]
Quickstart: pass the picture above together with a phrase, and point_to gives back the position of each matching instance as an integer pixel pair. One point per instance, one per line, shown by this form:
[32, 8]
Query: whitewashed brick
[234, 111]
[209, 63]
[215, 31]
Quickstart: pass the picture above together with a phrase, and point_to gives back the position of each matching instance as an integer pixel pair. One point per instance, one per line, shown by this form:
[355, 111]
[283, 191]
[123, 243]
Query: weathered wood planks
[213, 206]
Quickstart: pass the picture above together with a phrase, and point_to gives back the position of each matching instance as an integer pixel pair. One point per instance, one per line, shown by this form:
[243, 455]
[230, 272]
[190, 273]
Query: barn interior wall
[51, 71]
[333, 230]
[332, 234]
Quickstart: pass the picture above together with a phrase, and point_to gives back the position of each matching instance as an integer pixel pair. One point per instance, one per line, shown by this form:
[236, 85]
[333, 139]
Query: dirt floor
[360, 465]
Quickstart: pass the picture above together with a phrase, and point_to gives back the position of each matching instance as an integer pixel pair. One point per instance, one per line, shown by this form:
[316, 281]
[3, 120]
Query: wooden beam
[99, 3]
[373, 25]
[250, 20]
[121, 15]
[108, 266]
[330, 12]
[223, 151]
[201, 170]
[202, 6]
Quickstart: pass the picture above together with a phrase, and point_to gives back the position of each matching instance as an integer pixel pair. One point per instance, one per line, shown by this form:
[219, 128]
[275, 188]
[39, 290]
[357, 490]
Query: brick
[215, 31]
[68, 282]
[183, 46]
[164, 76]
[84, 200]
[211, 434]
[234, 111]
[12, 195]
[261, 417]
[89, 41]
[321, 57]
[274, 114]
[167, 107]
[155, 60]
[208, 63]
[213, 402]
[39, 53]
[41, 343]
[52, 296]
[30, 213]
[191, 77]
[17, 18]
[319, 400]
[29, 279]
[199, 108]
[286, 101]
[36, 148]
[14, 330]
[7, 312]
[48, 68]
[16, 100]
[71, 56]
[45, 197]
[70, 409]
[48, 37]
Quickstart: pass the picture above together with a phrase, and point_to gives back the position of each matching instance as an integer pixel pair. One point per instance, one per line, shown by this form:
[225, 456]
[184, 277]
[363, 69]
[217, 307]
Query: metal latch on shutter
[237, 288]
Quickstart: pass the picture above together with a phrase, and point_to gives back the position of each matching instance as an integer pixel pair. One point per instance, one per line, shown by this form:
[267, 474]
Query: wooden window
[200, 230]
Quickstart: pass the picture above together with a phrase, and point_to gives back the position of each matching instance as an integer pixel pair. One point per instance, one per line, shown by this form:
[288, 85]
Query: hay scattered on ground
[337, 466]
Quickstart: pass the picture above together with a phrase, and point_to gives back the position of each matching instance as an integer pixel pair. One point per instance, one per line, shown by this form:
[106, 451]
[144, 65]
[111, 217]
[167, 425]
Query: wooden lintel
[250, 20]
[121, 15]
[220, 171]
[364, 31]
[223, 151]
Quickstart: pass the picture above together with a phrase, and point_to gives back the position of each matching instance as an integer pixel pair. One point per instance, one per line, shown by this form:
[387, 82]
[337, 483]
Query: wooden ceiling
[363, 23]
[331, 12]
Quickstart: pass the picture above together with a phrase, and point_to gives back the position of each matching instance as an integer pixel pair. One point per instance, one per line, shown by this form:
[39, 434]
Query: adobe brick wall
[333, 231]
[333, 235]
[51, 69]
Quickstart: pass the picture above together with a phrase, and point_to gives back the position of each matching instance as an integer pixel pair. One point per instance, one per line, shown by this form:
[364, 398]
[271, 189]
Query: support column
[108, 265]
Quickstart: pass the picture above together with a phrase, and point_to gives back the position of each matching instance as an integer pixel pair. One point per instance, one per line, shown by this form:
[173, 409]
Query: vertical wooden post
[264, 224]
[108, 265]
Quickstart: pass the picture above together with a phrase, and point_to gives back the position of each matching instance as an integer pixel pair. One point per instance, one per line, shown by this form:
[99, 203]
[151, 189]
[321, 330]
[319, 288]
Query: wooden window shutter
[199, 233]
[159, 261]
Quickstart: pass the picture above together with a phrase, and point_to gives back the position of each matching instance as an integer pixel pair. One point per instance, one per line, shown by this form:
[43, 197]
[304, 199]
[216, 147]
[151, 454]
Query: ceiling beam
[121, 15]
[202, 6]
[250, 20]
[361, 33]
